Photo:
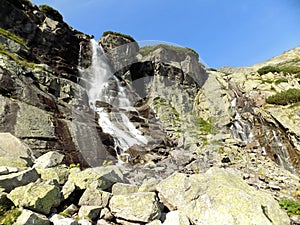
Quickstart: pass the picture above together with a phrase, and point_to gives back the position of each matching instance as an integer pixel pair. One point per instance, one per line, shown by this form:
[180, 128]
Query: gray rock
[176, 218]
[137, 207]
[155, 222]
[103, 222]
[95, 197]
[13, 162]
[219, 197]
[40, 197]
[84, 222]
[11, 181]
[31, 218]
[71, 210]
[60, 220]
[121, 189]
[59, 173]
[91, 212]
[106, 214]
[48, 160]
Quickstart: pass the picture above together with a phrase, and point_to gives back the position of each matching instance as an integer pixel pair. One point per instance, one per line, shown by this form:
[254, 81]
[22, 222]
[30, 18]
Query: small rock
[91, 212]
[13, 180]
[13, 162]
[155, 222]
[149, 186]
[31, 218]
[103, 222]
[121, 189]
[71, 210]
[59, 173]
[176, 218]
[92, 197]
[60, 220]
[84, 222]
[48, 160]
[137, 207]
[40, 197]
[106, 214]
[125, 222]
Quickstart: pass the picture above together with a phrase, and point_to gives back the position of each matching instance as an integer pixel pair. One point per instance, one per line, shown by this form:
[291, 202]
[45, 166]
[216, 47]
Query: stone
[125, 222]
[48, 160]
[103, 222]
[13, 180]
[28, 217]
[121, 189]
[94, 197]
[149, 185]
[176, 218]
[13, 162]
[91, 212]
[60, 220]
[98, 177]
[106, 214]
[84, 222]
[7, 170]
[70, 210]
[155, 222]
[11, 146]
[59, 173]
[219, 197]
[137, 207]
[39, 197]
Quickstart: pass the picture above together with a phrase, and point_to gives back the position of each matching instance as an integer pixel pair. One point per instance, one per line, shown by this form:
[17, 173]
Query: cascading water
[109, 100]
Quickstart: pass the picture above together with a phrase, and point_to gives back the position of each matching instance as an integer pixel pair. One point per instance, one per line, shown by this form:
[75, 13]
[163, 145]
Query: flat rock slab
[219, 197]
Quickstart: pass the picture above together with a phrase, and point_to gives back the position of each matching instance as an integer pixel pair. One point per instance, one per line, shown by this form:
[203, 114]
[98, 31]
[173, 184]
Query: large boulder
[39, 197]
[219, 197]
[137, 207]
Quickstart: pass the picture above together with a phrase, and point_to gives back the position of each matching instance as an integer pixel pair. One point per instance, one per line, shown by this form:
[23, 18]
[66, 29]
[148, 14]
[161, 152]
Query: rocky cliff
[109, 132]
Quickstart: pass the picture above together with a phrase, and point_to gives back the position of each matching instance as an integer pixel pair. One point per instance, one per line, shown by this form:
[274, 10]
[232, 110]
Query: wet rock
[93, 196]
[121, 189]
[218, 197]
[48, 160]
[137, 207]
[14, 180]
[39, 196]
[59, 220]
[31, 218]
[87, 211]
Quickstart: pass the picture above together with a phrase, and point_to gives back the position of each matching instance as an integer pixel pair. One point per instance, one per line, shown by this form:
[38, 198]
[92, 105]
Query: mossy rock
[51, 13]
[118, 34]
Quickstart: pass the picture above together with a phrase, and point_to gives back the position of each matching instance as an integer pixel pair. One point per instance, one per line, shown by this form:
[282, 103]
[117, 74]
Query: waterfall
[108, 98]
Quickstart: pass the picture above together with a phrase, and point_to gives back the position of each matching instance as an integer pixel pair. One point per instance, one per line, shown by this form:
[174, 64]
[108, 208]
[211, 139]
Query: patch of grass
[289, 70]
[268, 69]
[118, 34]
[281, 80]
[268, 81]
[13, 37]
[8, 216]
[206, 127]
[17, 59]
[147, 49]
[51, 13]
[290, 206]
[285, 97]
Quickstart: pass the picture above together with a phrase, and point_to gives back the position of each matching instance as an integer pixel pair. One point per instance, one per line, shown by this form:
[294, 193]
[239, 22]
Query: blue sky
[223, 32]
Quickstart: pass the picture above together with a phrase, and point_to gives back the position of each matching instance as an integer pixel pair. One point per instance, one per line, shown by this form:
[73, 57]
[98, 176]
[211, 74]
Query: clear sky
[223, 32]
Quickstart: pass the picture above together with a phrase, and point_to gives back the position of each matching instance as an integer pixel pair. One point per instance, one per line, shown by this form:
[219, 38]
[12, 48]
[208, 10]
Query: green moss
[268, 69]
[118, 34]
[51, 13]
[147, 49]
[206, 127]
[8, 216]
[13, 37]
[290, 206]
[285, 97]
[281, 80]
[20, 61]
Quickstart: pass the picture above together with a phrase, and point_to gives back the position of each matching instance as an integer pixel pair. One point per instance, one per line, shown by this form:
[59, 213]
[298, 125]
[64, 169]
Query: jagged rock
[122, 189]
[39, 196]
[31, 218]
[48, 160]
[14, 180]
[137, 207]
[218, 197]
[176, 218]
[105, 214]
[94, 197]
[70, 210]
[99, 177]
[58, 173]
[91, 212]
[11, 146]
[60, 220]
[148, 185]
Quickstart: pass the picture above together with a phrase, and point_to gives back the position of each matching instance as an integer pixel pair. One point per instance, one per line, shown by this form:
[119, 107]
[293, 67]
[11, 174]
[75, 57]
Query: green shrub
[290, 206]
[290, 70]
[118, 34]
[147, 49]
[284, 98]
[13, 37]
[51, 13]
[281, 80]
[267, 69]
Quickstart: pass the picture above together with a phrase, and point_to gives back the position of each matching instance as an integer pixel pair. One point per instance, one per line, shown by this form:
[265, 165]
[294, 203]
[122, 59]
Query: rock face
[217, 197]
